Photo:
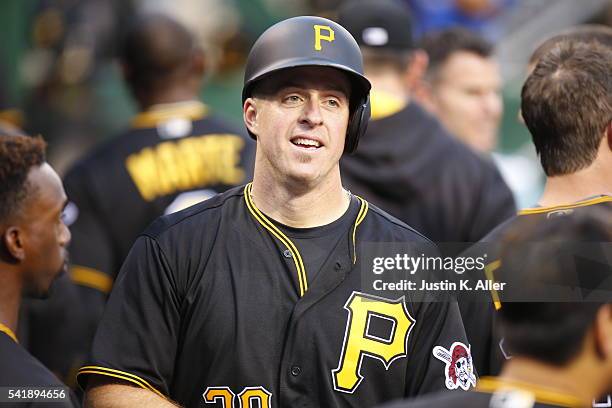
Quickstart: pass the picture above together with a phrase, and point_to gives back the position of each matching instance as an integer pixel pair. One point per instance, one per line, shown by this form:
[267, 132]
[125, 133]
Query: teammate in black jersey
[567, 107]
[32, 255]
[175, 154]
[561, 351]
[255, 297]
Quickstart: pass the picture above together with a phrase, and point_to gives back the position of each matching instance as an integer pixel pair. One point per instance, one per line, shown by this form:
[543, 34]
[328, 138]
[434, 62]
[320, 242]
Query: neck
[171, 95]
[10, 299]
[300, 206]
[569, 188]
[388, 83]
[574, 380]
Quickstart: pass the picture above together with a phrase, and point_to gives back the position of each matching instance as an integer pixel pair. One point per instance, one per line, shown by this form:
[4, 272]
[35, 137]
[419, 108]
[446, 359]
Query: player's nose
[311, 111]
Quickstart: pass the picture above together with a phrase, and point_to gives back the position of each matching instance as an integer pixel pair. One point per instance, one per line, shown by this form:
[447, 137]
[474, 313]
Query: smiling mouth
[306, 143]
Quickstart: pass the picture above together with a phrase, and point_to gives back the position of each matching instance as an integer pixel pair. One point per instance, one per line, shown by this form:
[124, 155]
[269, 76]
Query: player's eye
[334, 103]
[292, 99]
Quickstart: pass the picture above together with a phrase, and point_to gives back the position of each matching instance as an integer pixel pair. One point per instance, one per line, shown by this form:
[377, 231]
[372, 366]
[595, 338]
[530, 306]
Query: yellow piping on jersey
[192, 110]
[109, 372]
[544, 396]
[363, 210]
[489, 269]
[8, 332]
[91, 278]
[584, 203]
[267, 224]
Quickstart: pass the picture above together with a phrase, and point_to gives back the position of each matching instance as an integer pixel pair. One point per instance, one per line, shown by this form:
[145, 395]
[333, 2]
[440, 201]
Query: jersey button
[296, 370]
[287, 253]
[338, 266]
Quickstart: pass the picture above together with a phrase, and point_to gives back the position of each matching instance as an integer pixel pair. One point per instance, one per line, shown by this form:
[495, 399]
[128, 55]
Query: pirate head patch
[459, 367]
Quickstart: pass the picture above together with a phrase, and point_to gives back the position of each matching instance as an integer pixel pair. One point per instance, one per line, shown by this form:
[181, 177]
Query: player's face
[45, 236]
[461, 369]
[466, 98]
[300, 118]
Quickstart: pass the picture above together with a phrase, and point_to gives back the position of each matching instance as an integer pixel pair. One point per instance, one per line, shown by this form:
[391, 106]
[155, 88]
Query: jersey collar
[582, 203]
[156, 114]
[542, 395]
[267, 224]
[6, 330]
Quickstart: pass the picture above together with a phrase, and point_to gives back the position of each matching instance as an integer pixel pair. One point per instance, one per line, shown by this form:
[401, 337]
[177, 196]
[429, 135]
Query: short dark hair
[18, 154]
[551, 332]
[382, 58]
[566, 103]
[441, 45]
[153, 49]
[582, 33]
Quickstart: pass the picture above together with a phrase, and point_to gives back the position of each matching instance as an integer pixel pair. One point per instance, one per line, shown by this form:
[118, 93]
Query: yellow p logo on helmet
[319, 36]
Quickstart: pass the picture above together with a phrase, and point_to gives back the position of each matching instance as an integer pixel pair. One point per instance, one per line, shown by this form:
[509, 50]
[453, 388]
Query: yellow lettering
[143, 170]
[186, 164]
[250, 394]
[222, 394]
[318, 36]
[358, 343]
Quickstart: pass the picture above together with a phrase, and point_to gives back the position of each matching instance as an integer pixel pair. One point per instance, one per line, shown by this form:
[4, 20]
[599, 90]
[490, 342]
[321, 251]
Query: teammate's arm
[106, 393]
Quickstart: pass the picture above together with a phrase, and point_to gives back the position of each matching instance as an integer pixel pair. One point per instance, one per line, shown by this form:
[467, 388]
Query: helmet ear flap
[358, 125]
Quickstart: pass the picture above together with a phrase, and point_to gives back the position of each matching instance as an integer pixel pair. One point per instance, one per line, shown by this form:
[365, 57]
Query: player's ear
[609, 135]
[603, 332]
[249, 113]
[12, 243]
[415, 71]
[198, 62]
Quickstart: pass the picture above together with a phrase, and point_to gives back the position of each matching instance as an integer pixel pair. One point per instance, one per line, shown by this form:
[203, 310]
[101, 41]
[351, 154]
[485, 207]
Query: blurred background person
[33, 251]
[561, 351]
[175, 154]
[406, 163]
[462, 88]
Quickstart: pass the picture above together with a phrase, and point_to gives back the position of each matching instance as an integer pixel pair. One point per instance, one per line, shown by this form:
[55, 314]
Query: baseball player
[562, 351]
[176, 153]
[33, 254]
[255, 297]
[407, 164]
[566, 106]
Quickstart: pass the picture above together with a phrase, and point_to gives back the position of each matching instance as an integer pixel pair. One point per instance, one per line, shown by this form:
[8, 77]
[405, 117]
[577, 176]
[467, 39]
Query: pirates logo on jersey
[459, 366]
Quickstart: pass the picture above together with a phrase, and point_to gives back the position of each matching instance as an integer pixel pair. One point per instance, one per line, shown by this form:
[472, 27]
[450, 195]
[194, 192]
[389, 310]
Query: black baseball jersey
[214, 307]
[478, 317]
[20, 369]
[172, 156]
[409, 166]
[493, 392]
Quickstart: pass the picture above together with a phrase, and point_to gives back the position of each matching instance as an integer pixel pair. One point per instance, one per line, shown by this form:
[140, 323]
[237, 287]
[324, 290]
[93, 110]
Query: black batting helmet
[313, 41]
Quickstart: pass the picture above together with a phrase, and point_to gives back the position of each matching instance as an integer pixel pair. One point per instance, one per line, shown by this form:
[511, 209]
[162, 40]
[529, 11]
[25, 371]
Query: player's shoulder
[456, 399]
[19, 367]
[382, 225]
[206, 214]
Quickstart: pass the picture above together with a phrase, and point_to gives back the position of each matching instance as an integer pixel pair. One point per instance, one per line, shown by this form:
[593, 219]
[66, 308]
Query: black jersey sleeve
[136, 340]
[441, 335]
